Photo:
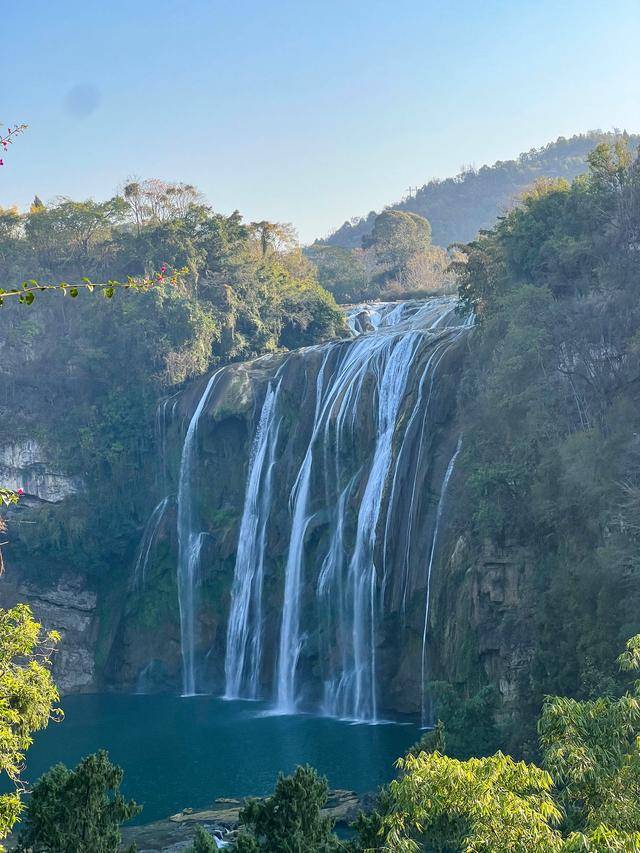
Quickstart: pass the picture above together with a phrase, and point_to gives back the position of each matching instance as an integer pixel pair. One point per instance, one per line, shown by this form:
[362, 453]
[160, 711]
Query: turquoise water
[181, 752]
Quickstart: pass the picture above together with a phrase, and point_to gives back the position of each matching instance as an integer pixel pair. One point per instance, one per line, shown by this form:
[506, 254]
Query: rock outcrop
[24, 465]
[66, 606]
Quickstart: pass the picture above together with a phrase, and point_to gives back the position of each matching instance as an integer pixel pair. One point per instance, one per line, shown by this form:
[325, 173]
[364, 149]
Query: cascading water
[189, 545]
[146, 544]
[434, 543]
[244, 631]
[353, 464]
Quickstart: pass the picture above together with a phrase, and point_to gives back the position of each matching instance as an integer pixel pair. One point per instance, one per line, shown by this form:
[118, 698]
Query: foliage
[27, 699]
[459, 207]
[78, 810]
[290, 820]
[27, 293]
[90, 378]
[343, 272]
[397, 261]
[7, 137]
[202, 842]
[469, 722]
[482, 804]
[549, 403]
[585, 799]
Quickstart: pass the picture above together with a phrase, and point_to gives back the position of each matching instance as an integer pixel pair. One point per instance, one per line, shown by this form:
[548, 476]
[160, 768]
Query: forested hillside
[459, 207]
[547, 496]
[80, 378]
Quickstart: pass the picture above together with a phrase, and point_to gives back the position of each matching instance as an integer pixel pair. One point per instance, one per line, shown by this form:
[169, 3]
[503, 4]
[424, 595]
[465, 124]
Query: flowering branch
[27, 293]
[8, 496]
[6, 139]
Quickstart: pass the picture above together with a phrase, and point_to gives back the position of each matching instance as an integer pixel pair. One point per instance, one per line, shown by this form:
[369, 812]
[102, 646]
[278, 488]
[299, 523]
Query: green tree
[585, 798]
[77, 811]
[396, 237]
[27, 699]
[289, 821]
[202, 842]
[341, 271]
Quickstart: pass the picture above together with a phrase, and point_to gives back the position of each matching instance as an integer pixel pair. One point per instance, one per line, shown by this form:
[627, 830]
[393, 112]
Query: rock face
[483, 616]
[68, 607]
[24, 466]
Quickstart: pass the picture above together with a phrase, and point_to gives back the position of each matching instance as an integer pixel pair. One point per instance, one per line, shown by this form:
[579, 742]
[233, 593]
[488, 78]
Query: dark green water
[186, 752]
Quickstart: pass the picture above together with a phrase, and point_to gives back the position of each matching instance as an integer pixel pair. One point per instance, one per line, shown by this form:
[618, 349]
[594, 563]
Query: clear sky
[305, 111]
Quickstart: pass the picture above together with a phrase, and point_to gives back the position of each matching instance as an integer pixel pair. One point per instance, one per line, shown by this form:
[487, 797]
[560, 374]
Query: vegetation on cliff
[84, 383]
[550, 404]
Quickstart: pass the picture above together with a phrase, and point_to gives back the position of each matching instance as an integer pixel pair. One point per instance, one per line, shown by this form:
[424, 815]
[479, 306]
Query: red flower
[21, 491]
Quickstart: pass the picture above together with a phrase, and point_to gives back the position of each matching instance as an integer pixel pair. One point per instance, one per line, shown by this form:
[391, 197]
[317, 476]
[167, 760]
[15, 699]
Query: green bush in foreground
[77, 811]
[290, 820]
[585, 797]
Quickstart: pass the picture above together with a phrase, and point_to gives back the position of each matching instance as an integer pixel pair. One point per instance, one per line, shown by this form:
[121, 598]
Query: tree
[396, 237]
[77, 811]
[27, 699]
[585, 797]
[277, 236]
[341, 271]
[483, 804]
[290, 820]
[202, 842]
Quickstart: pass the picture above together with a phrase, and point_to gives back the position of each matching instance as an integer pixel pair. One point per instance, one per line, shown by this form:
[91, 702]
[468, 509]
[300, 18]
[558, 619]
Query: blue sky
[307, 112]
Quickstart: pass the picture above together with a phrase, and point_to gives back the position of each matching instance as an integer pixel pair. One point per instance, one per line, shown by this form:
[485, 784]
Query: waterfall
[386, 358]
[434, 542]
[244, 630]
[343, 486]
[189, 544]
[146, 543]
[290, 640]
[161, 436]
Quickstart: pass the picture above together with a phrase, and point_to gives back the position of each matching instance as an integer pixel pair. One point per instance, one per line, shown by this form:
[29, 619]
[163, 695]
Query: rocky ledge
[176, 833]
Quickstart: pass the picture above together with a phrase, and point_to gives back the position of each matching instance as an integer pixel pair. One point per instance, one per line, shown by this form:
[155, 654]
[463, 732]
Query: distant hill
[459, 207]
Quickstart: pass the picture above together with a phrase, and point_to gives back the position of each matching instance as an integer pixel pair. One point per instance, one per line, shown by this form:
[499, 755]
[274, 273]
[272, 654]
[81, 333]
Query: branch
[27, 293]
[7, 139]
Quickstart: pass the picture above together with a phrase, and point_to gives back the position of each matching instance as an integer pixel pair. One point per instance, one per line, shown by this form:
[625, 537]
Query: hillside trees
[550, 402]
[461, 206]
[84, 382]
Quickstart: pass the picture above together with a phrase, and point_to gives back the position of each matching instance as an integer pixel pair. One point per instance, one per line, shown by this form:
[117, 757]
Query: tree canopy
[79, 810]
